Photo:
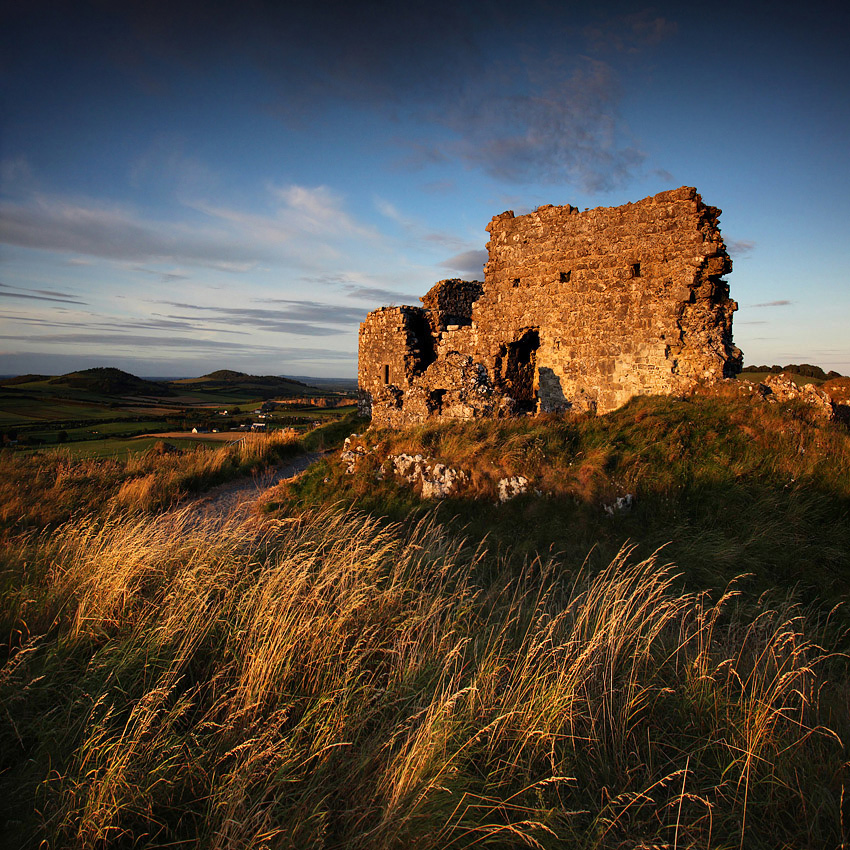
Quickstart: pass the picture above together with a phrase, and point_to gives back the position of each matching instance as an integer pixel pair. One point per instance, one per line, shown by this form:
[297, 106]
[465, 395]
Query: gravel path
[238, 496]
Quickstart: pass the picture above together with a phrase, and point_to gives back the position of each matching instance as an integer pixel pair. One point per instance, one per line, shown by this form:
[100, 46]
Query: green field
[93, 413]
[120, 447]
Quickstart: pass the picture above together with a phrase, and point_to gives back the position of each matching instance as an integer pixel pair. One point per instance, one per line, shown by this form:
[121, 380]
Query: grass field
[325, 680]
[357, 668]
[726, 486]
[137, 445]
[83, 414]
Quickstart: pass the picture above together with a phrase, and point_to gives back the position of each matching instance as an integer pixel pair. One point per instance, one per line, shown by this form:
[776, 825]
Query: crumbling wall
[578, 311]
[449, 302]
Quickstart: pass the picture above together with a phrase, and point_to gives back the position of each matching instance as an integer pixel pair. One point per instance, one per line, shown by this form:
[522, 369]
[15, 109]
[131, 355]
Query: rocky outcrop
[508, 488]
[783, 388]
[436, 479]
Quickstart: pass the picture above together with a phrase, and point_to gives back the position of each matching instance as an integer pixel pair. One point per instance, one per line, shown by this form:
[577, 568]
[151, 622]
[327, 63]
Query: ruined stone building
[578, 310]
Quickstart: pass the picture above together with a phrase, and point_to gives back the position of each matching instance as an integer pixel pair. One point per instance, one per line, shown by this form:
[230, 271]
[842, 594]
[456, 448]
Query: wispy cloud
[308, 225]
[548, 115]
[630, 33]
[92, 322]
[388, 210]
[136, 343]
[166, 162]
[164, 277]
[467, 262]
[375, 294]
[561, 127]
[739, 249]
[317, 210]
[781, 303]
[305, 318]
[7, 291]
[113, 231]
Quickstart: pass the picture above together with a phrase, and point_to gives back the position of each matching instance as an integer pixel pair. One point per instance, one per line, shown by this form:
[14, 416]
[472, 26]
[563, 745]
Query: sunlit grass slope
[323, 681]
[728, 485]
[45, 488]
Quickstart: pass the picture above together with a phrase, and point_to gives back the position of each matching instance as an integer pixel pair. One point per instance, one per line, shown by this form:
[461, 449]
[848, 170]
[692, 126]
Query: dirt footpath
[240, 495]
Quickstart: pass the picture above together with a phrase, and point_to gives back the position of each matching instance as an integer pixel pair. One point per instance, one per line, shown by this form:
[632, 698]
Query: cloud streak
[137, 343]
[7, 291]
[308, 226]
[562, 127]
[740, 248]
[467, 263]
[376, 294]
[305, 318]
[114, 232]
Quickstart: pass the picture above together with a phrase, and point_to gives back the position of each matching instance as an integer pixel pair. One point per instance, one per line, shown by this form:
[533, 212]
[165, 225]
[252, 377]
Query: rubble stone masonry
[578, 311]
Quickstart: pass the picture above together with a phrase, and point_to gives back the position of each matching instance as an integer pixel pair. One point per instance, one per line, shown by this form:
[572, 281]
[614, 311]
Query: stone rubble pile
[782, 388]
[351, 454]
[621, 505]
[508, 488]
[437, 479]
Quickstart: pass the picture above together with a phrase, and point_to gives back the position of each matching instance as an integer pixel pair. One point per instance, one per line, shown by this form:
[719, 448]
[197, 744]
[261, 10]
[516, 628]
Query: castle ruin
[577, 311]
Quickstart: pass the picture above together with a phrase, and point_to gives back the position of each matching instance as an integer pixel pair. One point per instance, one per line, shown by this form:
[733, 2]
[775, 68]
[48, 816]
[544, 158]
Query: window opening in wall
[565, 277]
[519, 370]
[516, 282]
[386, 373]
[635, 269]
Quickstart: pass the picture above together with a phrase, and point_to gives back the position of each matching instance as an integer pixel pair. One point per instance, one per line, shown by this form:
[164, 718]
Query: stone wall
[578, 311]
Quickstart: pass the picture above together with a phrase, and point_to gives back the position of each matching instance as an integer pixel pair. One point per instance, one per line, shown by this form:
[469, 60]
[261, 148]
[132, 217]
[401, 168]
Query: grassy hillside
[467, 676]
[728, 486]
[111, 381]
[240, 384]
[44, 489]
[94, 404]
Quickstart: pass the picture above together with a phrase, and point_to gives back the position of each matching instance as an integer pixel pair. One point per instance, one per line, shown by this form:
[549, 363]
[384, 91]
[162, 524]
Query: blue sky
[187, 186]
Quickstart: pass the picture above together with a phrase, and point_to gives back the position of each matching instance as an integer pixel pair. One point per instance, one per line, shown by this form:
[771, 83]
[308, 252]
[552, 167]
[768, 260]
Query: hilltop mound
[224, 375]
[23, 379]
[266, 386]
[110, 381]
[838, 389]
[803, 370]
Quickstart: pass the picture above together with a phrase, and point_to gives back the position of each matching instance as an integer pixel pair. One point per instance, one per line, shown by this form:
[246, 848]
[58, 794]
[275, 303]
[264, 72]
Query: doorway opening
[435, 397]
[519, 370]
[421, 328]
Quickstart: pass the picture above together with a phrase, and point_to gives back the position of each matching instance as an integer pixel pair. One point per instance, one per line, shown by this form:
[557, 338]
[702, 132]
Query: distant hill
[265, 386]
[804, 369]
[342, 385]
[110, 381]
[22, 379]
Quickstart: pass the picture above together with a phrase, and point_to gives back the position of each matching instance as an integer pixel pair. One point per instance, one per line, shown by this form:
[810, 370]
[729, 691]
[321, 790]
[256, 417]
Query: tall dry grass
[325, 681]
[46, 488]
